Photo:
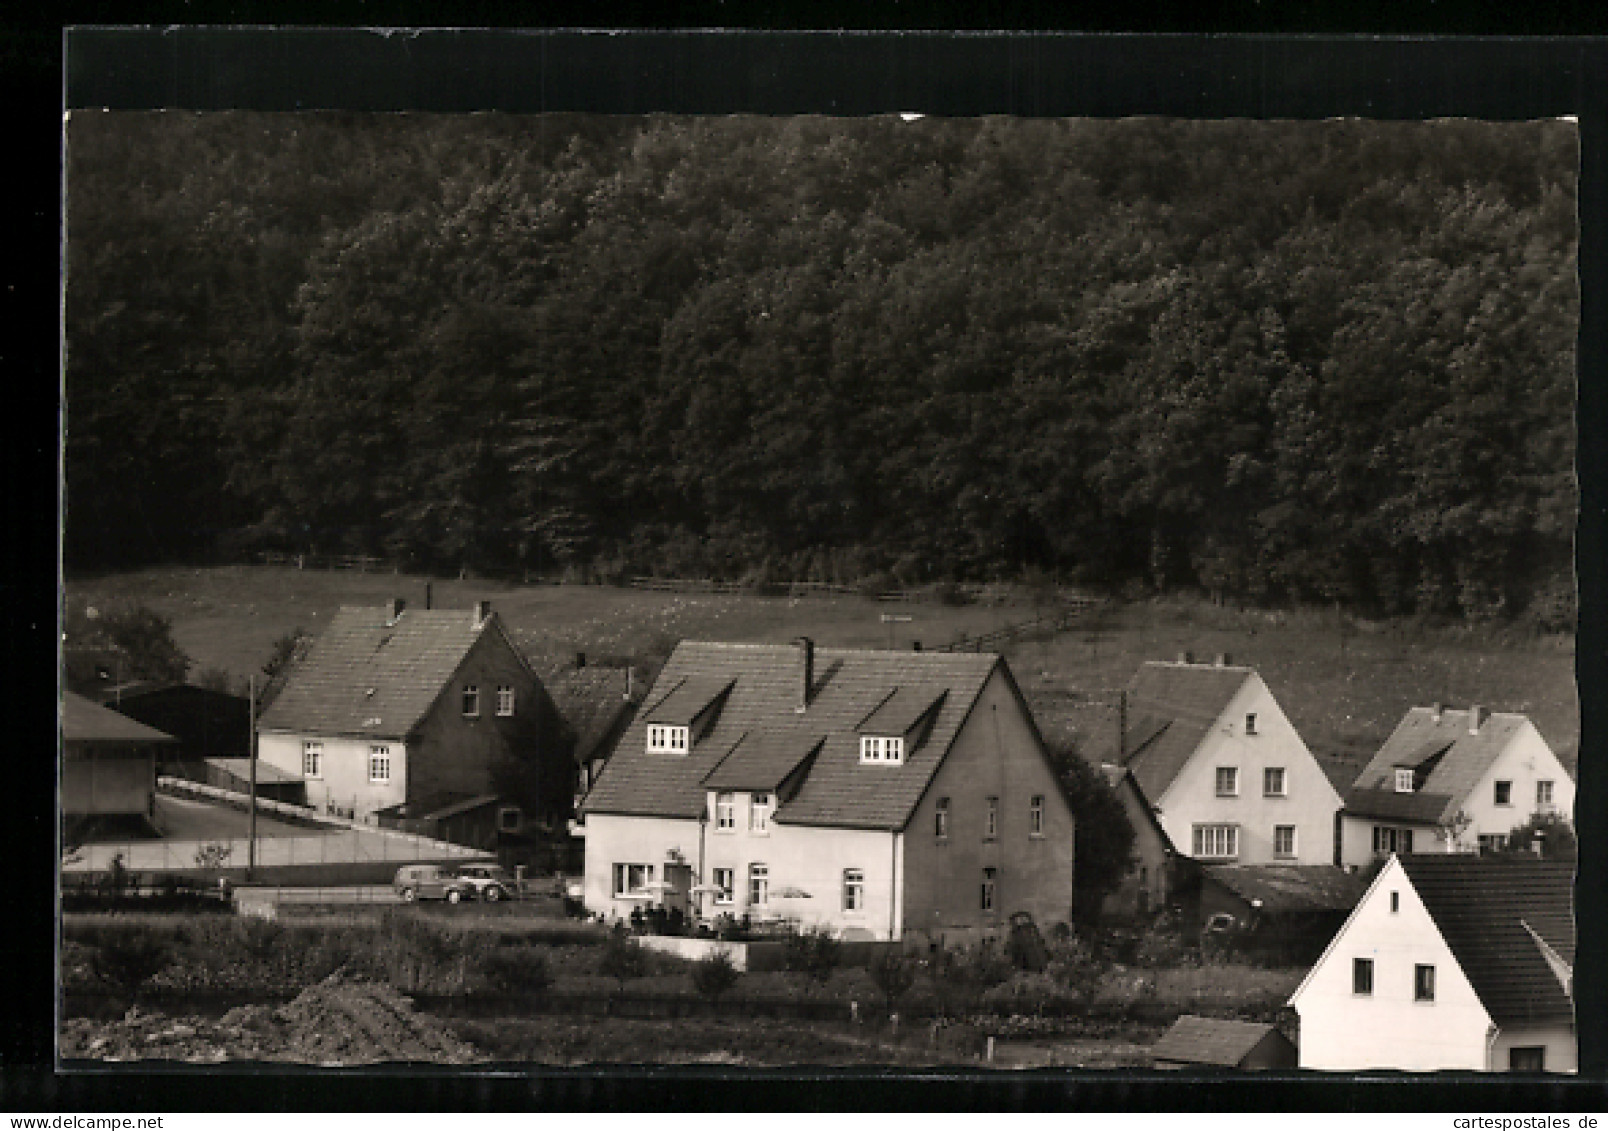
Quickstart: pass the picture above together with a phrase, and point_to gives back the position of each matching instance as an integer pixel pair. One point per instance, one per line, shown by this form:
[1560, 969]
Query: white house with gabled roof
[880, 794]
[1448, 962]
[1225, 772]
[1452, 781]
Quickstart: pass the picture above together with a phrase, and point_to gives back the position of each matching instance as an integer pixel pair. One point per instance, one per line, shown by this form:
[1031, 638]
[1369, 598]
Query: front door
[678, 878]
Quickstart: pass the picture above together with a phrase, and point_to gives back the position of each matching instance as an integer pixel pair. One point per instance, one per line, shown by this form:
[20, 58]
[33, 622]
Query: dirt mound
[333, 1023]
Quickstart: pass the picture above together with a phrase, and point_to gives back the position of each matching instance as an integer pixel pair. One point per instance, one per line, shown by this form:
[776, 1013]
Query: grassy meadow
[1344, 683]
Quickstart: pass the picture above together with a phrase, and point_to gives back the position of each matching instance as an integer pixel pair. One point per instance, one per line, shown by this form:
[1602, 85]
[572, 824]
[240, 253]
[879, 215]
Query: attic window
[1250, 723]
[1404, 779]
[667, 739]
[881, 749]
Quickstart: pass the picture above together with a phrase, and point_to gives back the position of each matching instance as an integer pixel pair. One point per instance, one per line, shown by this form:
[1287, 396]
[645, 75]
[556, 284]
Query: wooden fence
[362, 563]
[1058, 621]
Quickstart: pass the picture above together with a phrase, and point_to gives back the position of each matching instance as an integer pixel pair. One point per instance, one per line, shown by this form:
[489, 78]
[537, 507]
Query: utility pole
[251, 843]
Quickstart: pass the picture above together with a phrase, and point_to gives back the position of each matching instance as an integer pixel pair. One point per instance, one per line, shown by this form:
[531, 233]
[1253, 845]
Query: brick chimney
[393, 612]
[806, 648]
[1186, 657]
[1436, 710]
[580, 659]
[1223, 659]
[1476, 718]
[915, 645]
[482, 612]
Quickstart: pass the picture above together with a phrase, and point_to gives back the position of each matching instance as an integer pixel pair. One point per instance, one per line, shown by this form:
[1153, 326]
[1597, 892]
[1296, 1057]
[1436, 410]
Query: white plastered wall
[344, 778]
[1345, 1031]
[1309, 804]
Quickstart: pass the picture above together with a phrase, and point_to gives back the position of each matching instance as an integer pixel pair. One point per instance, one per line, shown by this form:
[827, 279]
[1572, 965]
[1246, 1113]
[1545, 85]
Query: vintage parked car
[491, 882]
[431, 881]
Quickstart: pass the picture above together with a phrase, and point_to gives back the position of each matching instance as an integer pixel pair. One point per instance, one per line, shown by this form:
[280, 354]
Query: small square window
[509, 818]
[471, 701]
[1273, 782]
[1362, 975]
[1404, 780]
[1423, 983]
[1227, 781]
[1504, 793]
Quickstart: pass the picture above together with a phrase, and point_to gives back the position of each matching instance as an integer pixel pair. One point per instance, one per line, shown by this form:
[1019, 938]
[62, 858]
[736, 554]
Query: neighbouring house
[206, 723]
[1452, 781]
[1448, 961]
[1158, 876]
[108, 767]
[1282, 912]
[1215, 1042]
[401, 707]
[598, 702]
[1229, 780]
[883, 795]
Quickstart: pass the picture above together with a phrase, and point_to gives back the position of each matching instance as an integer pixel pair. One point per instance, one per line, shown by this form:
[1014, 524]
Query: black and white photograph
[759, 591]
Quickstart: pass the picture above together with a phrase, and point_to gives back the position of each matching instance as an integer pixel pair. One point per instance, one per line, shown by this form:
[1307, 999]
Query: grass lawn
[1344, 684]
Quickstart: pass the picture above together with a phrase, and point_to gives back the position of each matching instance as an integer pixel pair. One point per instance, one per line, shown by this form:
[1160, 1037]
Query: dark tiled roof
[1287, 888]
[406, 666]
[1340, 771]
[838, 790]
[685, 700]
[84, 721]
[1467, 756]
[1481, 905]
[901, 711]
[1175, 705]
[764, 760]
[1211, 1040]
[593, 701]
[1387, 805]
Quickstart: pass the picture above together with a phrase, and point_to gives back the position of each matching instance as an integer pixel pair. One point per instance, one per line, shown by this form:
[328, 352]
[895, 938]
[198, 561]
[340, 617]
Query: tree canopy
[1278, 361]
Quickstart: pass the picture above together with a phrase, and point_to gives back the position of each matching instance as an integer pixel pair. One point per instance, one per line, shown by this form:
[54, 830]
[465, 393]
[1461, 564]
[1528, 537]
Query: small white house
[1452, 781]
[1448, 962]
[1229, 779]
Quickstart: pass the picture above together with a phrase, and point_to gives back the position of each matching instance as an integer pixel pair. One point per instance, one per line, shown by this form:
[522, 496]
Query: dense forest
[1325, 361]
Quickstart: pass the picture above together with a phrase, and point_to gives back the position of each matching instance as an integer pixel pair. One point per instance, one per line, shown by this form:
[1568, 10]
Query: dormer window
[881, 749]
[1404, 780]
[667, 739]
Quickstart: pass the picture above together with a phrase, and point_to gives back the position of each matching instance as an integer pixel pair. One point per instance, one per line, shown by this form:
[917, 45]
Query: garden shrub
[893, 972]
[126, 960]
[815, 951]
[515, 969]
[621, 959]
[714, 974]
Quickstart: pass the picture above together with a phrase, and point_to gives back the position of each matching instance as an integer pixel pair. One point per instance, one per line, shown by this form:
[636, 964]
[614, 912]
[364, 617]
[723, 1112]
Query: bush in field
[1075, 969]
[893, 972]
[515, 969]
[622, 959]
[1032, 994]
[126, 960]
[815, 951]
[714, 974]
[418, 954]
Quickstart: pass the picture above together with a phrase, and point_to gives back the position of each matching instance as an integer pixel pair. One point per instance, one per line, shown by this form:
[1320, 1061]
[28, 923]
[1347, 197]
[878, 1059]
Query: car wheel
[455, 896]
[409, 895]
[493, 894]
